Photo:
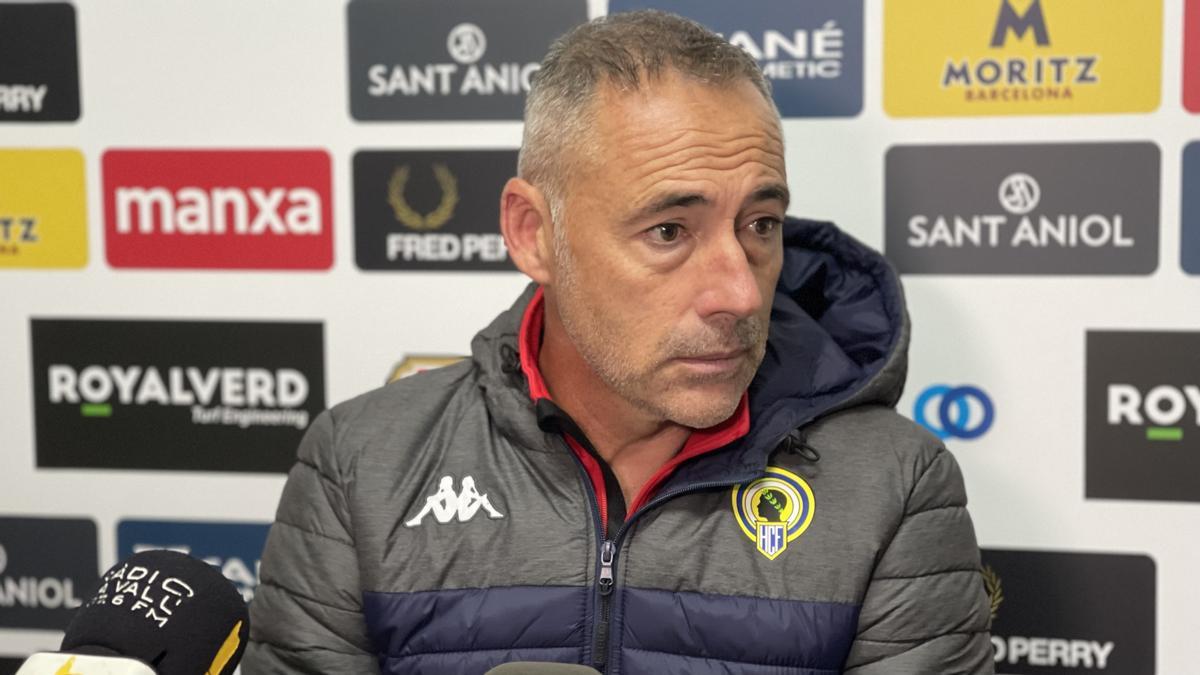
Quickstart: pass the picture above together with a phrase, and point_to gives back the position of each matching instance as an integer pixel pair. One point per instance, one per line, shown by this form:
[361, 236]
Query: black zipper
[608, 548]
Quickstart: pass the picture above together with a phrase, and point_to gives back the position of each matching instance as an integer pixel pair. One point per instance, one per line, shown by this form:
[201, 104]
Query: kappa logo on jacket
[447, 505]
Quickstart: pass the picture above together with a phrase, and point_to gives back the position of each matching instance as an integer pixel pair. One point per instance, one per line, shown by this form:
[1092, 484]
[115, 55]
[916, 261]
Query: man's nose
[728, 281]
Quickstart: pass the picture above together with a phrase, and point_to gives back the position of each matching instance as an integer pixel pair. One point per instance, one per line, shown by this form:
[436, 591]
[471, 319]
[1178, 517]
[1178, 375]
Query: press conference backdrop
[218, 218]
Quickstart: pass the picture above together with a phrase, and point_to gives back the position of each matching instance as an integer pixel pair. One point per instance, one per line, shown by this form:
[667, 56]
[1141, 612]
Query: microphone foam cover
[170, 610]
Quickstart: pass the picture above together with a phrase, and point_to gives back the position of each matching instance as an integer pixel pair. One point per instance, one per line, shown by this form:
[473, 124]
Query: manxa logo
[199, 395]
[449, 59]
[430, 210]
[1023, 209]
[43, 213]
[47, 568]
[1191, 56]
[218, 209]
[1064, 613]
[1143, 415]
[39, 63]
[233, 548]
[812, 51]
[996, 57]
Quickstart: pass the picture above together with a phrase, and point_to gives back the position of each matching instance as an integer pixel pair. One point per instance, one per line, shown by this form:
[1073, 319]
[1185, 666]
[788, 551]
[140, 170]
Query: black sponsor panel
[1079, 208]
[1068, 613]
[1143, 415]
[449, 59]
[48, 568]
[176, 395]
[39, 64]
[430, 210]
[10, 664]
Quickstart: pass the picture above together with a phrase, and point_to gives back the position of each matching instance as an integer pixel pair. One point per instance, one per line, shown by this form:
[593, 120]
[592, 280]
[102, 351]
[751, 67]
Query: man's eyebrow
[772, 192]
[667, 202]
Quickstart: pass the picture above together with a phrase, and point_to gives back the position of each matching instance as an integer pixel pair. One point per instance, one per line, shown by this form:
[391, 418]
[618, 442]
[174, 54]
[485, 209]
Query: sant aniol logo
[222, 209]
[811, 51]
[48, 566]
[449, 59]
[43, 208]
[773, 510]
[1191, 56]
[39, 63]
[1059, 613]
[233, 548]
[430, 210]
[1021, 57]
[1190, 216]
[965, 412]
[183, 395]
[1083, 208]
[1143, 415]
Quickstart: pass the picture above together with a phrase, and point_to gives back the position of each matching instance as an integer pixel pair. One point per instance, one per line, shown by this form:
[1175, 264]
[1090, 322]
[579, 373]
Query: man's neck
[621, 432]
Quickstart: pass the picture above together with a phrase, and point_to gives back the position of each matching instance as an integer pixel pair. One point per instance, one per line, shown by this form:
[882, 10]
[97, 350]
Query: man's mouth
[714, 363]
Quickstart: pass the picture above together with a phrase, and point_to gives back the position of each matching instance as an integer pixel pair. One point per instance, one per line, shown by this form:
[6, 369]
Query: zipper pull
[607, 553]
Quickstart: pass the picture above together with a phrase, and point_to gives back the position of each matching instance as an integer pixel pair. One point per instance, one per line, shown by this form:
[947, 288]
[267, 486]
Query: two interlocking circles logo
[964, 412]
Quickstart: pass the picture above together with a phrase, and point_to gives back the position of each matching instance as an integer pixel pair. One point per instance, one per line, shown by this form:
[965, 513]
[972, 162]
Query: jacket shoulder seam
[305, 530]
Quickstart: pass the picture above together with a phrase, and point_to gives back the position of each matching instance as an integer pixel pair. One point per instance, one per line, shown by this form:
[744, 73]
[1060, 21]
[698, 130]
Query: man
[684, 428]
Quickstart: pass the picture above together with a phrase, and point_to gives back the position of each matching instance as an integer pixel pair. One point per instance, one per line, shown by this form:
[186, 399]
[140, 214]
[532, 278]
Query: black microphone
[155, 613]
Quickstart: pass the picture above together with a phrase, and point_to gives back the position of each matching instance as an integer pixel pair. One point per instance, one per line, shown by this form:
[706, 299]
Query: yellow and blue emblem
[774, 510]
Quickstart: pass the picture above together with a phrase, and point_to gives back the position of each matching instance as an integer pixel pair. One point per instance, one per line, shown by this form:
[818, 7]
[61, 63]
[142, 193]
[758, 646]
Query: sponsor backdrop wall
[218, 218]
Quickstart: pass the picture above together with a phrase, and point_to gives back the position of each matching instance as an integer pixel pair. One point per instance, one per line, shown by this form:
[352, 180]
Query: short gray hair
[625, 50]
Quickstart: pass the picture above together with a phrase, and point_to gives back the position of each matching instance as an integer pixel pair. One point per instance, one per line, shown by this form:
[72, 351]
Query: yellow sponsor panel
[43, 209]
[1021, 57]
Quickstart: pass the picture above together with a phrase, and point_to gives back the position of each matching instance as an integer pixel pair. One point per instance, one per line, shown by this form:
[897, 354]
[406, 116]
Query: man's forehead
[678, 109]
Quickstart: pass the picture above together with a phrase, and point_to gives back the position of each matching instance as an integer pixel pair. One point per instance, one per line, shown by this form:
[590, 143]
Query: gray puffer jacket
[442, 525]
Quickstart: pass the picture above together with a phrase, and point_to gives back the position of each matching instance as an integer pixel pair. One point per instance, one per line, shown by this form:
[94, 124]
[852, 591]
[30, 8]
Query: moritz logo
[1021, 57]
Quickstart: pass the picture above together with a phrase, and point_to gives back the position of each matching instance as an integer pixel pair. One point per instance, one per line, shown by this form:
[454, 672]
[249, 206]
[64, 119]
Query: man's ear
[525, 224]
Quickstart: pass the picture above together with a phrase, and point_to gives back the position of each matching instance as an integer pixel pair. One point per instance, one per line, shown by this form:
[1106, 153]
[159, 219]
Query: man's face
[666, 264]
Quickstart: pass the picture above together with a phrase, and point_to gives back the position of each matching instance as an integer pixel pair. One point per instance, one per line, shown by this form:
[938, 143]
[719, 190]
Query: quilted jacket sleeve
[306, 616]
[926, 611]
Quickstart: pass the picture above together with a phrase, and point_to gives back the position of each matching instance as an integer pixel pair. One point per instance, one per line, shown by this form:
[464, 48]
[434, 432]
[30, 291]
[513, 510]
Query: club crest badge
[774, 510]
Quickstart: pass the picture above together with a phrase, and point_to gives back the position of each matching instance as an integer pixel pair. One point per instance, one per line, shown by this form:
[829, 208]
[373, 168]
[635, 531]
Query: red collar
[700, 441]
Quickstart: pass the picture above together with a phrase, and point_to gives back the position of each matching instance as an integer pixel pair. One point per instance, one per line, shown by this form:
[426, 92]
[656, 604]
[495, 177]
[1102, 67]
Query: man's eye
[665, 232]
[765, 226]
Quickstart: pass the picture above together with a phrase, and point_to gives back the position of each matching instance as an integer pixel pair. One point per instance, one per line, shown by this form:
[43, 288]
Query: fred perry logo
[773, 510]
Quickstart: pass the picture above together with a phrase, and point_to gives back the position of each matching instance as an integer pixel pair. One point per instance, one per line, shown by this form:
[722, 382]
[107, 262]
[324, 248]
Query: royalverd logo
[430, 210]
[1143, 415]
[1082, 208]
[1021, 57]
[1059, 613]
[39, 62]
[175, 395]
[450, 59]
[811, 51]
[43, 208]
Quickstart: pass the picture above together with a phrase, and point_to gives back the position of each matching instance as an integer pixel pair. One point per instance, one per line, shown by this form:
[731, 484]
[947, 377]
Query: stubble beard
[603, 350]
